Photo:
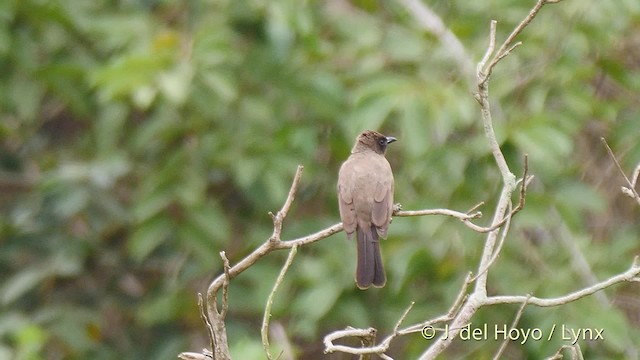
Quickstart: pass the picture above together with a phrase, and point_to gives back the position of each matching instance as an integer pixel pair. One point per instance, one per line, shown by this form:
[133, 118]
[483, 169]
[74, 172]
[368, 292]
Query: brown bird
[365, 196]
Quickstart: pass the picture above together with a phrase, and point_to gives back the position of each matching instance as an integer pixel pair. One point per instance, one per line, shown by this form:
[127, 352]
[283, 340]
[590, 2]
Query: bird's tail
[370, 270]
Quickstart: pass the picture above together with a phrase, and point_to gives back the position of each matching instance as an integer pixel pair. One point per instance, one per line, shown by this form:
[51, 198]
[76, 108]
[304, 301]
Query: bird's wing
[382, 206]
[345, 202]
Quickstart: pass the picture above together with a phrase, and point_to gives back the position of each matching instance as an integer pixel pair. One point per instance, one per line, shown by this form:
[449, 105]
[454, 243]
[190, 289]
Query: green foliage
[141, 138]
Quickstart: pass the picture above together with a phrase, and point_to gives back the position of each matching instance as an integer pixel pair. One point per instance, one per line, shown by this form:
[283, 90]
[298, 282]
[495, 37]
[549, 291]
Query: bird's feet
[397, 207]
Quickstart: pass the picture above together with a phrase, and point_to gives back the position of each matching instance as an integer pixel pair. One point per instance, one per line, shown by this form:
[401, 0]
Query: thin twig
[490, 49]
[579, 261]
[225, 285]
[453, 310]
[507, 47]
[195, 356]
[205, 319]
[446, 212]
[503, 346]
[524, 182]
[498, 249]
[404, 315]
[475, 207]
[626, 276]
[267, 310]
[369, 333]
[462, 295]
[278, 219]
[329, 347]
[632, 185]
[636, 173]
[576, 352]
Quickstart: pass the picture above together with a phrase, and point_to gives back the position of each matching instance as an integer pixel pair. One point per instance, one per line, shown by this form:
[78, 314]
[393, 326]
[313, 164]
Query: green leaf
[317, 301]
[21, 283]
[157, 310]
[148, 236]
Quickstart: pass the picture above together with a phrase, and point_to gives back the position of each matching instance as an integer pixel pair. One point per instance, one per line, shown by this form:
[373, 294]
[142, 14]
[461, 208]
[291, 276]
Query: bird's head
[372, 140]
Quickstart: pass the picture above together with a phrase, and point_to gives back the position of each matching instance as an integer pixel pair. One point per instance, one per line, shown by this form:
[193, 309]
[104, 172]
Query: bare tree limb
[631, 190]
[505, 342]
[225, 285]
[330, 347]
[274, 242]
[205, 319]
[472, 214]
[369, 333]
[507, 46]
[205, 355]
[267, 310]
[630, 275]
[579, 262]
[453, 311]
[262, 250]
[576, 352]
[496, 251]
[478, 296]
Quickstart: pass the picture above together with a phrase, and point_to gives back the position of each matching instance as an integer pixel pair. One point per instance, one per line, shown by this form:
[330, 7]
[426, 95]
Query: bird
[365, 198]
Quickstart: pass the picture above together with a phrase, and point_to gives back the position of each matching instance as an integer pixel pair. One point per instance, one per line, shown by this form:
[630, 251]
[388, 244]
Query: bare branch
[579, 263]
[503, 346]
[282, 214]
[626, 276]
[306, 240]
[576, 352]
[472, 214]
[205, 355]
[636, 173]
[369, 333]
[490, 49]
[446, 212]
[225, 285]
[453, 310]
[274, 242]
[205, 319]
[404, 315]
[631, 190]
[497, 250]
[267, 310]
[479, 295]
[266, 247]
[329, 347]
[464, 217]
[524, 182]
[507, 46]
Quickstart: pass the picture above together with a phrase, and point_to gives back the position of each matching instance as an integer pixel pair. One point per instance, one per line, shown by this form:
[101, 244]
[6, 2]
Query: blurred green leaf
[157, 310]
[148, 236]
[30, 340]
[21, 283]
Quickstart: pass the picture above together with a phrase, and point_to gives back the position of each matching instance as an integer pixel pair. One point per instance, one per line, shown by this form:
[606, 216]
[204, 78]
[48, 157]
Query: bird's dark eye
[382, 141]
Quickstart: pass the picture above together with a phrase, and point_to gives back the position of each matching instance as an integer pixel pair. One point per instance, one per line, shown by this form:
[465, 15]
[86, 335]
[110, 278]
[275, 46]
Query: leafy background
[139, 138]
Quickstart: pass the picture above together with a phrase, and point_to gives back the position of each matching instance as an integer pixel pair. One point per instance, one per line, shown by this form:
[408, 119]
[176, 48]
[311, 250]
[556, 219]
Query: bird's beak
[390, 139]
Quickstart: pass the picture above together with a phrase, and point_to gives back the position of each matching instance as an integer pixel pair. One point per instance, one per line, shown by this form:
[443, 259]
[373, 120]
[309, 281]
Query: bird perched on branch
[365, 196]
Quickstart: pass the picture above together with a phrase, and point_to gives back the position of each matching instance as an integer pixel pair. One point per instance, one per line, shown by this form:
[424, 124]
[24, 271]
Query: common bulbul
[365, 196]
